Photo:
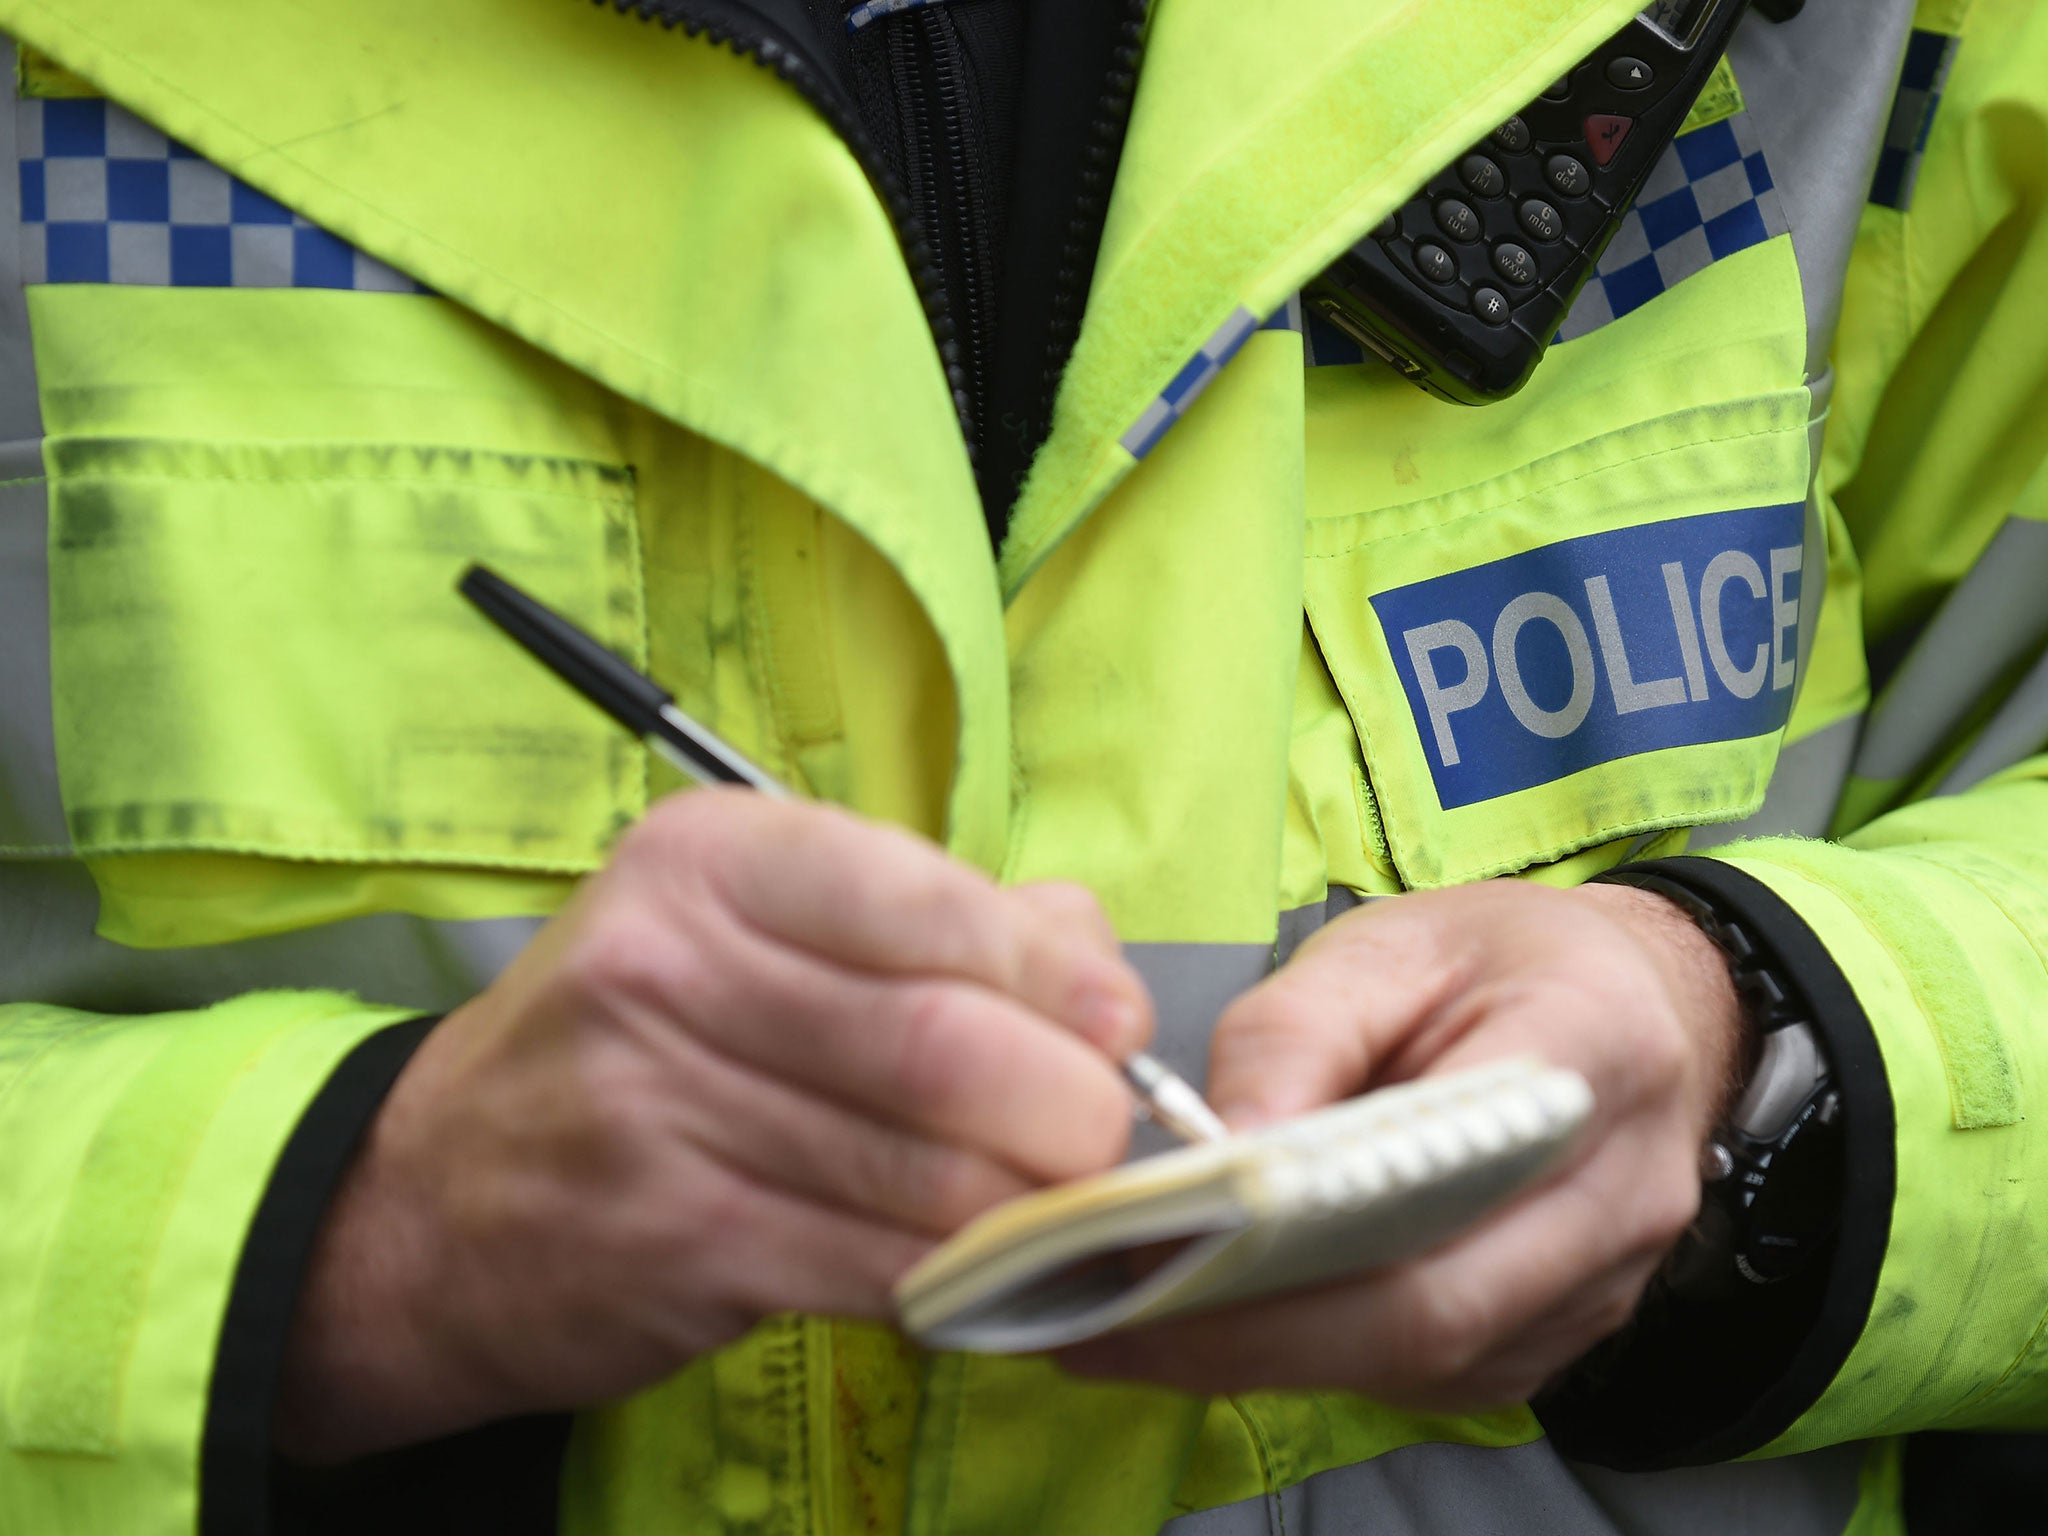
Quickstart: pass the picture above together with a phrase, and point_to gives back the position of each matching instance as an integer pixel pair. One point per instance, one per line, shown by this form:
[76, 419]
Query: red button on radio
[1606, 134]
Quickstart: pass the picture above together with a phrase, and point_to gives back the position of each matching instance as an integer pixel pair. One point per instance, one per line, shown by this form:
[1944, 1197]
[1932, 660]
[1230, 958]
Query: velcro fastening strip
[66, 1395]
[1983, 1079]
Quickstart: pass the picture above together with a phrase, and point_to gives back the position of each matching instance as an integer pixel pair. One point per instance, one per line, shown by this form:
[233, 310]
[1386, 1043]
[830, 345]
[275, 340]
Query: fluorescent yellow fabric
[1937, 911]
[136, 1152]
[664, 333]
[1395, 481]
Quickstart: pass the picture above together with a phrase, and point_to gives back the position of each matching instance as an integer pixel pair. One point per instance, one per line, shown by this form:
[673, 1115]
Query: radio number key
[1514, 263]
[1542, 221]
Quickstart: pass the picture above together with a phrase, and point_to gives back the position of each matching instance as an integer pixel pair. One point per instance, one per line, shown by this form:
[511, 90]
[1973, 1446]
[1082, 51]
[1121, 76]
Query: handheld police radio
[1463, 287]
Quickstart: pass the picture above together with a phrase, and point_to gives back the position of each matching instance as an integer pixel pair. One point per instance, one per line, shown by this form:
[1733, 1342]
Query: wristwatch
[1773, 1170]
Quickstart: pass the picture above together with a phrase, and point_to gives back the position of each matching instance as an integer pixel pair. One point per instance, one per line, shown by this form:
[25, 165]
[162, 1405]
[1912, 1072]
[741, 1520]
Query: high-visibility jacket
[312, 304]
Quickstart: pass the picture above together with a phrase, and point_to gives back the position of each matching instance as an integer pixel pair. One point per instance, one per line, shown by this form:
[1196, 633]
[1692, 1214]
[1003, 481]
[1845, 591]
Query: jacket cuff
[502, 1478]
[235, 1457]
[1755, 1363]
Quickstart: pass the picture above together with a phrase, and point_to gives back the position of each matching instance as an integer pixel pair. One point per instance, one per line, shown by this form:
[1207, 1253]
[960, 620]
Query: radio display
[1678, 20]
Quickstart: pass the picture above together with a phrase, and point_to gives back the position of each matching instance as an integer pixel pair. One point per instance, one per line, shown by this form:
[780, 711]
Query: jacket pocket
[1574, 616]
[257, 648]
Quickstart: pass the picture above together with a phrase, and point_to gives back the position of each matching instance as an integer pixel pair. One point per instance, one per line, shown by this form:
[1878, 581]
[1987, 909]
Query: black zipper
[950, 255]
[1083, 234]
[948, 190]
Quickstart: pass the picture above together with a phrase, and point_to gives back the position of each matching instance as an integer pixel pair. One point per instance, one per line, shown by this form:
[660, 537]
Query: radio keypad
[1503, 233]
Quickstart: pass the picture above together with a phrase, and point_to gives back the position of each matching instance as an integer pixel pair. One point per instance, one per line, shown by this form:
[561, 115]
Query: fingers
[781, 1253]
[835, 1157]
[1314, 1031]
[1484, 1320]
[948, 1060]
[878, 899]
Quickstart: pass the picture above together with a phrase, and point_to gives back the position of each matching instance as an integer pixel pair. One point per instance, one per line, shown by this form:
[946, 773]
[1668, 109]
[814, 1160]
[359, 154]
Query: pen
[649, 711]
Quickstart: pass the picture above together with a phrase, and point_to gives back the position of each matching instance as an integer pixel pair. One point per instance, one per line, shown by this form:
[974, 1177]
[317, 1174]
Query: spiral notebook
[1331, 1193]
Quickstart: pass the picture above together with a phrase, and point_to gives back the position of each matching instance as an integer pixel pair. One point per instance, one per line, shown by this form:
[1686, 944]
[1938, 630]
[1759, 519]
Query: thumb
[1315, 1031]
[1279, 1050]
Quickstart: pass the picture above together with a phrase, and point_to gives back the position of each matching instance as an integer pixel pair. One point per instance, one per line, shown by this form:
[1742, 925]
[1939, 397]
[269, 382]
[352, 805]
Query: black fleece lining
[500, 1480]
[235, 1458]
[1693, 1382]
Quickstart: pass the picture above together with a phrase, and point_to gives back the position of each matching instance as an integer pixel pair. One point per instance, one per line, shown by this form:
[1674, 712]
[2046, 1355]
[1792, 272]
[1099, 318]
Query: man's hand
[1609, 980]
[756, 1066]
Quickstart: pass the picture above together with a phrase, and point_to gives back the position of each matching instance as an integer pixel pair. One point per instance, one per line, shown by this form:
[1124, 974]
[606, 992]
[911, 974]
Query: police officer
[396, 1058]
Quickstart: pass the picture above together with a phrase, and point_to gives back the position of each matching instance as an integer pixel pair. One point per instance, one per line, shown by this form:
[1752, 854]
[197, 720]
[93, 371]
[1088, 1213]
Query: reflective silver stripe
[31, 812]
[1296, 926]
[2016, 733]
[1813, 557]
[1804, 788]
[1191, 985]
[1994, 618]
[21, 417]
[1457, 1490]
[1820, 89]
[49, 954]
[31, 815]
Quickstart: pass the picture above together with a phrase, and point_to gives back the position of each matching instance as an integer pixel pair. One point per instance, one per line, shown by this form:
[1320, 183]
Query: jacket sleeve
[1919, 933]
[1938, 916]
[143, 1160]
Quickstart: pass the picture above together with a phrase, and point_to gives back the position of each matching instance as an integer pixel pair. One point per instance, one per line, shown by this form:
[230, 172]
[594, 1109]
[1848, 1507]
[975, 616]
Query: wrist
[1697, 982]
[371, 1360]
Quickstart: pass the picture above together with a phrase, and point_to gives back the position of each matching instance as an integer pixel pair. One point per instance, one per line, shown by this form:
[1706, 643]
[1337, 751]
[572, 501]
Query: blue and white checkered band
[105, 198]
[1710, 195]
[864, 12]
[1929, 57]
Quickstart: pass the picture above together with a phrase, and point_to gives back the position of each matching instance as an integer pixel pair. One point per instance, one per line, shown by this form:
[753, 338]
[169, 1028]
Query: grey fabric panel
[1803, 792]
[1820, 88]
[1191, 984]
[2016, 733]
[1813, 558]
[1787, 1496]
[49, 954]
[1295, 929]
[1460, 1490]
[1995, 617]
[20, 413]
[1297, 926]
[31, 812]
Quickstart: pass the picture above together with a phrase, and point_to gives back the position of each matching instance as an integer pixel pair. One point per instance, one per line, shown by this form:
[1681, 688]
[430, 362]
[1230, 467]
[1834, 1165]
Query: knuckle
[1452, 1330]
[937, 1189]
[1099, 1129]
[1074, 908]
[615, 958]
[715, 1210]
[934, 1058]
[693, 824]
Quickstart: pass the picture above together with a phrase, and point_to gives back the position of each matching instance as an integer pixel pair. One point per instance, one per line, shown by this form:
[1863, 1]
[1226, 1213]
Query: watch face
[1678, 20]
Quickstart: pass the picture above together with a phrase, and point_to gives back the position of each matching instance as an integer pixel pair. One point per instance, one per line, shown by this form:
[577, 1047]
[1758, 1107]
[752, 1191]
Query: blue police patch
[1524, 670]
